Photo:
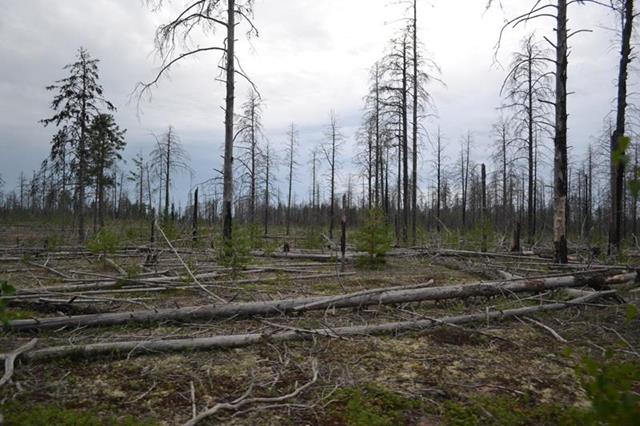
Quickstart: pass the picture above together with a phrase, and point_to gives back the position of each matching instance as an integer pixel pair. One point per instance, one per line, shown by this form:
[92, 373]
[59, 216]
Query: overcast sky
[311, 56]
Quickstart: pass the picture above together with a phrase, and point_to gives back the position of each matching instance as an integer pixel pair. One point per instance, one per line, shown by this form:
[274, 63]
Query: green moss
[505, 410]
[47, 415]
[373, 405]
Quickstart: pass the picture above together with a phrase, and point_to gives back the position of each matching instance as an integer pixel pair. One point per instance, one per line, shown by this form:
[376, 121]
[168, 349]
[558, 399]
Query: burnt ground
[495, 372]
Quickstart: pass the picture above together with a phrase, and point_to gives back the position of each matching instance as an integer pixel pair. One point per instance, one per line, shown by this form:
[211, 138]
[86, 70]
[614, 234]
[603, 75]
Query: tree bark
[278, 307]
[560, 138]
[241, 340]
[227, 195]
[618, 150]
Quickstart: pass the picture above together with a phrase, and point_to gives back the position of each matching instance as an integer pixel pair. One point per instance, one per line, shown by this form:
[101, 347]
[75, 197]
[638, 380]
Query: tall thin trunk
[405, 146]
[291, 143]
[167, 176]
[378, 167]
[530, 222]
[617, 149]
[82, 161]
[227, 195]
[439, 181]
[414, 192]
[252, 202]
[560, 138]
[266, 191]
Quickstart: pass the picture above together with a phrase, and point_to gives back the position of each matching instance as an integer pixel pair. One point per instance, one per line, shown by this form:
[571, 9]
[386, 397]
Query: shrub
[374, 238]
[5, 290]
[104, 242]
[610, 387]
[236, 254]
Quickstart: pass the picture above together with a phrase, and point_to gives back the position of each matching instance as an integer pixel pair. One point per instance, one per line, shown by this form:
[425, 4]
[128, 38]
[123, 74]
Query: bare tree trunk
[378, 167]
[617, 147]
[414, 192]
[266, 191]
[405, 147]
[483, 209]
[195, 216]
[227, 195]
[382, 296]
[168, 173]
[530, 206]
[291, 146]
[439, 180]
[560, 139]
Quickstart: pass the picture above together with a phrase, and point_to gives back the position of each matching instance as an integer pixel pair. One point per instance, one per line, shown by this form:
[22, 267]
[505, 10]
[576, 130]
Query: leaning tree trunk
[560, 139]
[617, 148]
[227, 195]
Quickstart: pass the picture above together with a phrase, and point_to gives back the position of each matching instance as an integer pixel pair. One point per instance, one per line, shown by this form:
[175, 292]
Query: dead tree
[558, 12]
[619, 142]
[330, 150]
[292, 134]
[168, 157]
[249, 133]
[270, 162]
[527, 89]
[465, 154]
[207, 16]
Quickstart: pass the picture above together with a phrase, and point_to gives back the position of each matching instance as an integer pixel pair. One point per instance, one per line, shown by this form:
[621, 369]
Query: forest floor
[511, 371]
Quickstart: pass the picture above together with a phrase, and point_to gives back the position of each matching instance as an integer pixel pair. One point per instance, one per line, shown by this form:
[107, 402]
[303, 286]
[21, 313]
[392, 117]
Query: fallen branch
[549, 329]
[10, 359]
[244, 400]
[278, 307]
[136, 347]
[195, 280]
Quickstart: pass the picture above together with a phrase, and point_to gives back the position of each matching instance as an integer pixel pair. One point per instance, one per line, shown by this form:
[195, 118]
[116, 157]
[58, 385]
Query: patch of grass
[373, 405]
[612, 388]
[5, 290]
[505, 410]
[47, 415]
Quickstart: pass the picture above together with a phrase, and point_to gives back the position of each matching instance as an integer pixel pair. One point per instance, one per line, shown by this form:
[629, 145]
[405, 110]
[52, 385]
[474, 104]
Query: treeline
[529, 181]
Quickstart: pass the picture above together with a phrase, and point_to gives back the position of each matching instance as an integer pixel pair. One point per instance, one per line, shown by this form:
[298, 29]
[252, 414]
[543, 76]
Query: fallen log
[278, 307]
[138, 347]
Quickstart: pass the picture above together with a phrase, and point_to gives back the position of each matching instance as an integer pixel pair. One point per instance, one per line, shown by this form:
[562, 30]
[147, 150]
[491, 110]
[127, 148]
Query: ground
[495, 372]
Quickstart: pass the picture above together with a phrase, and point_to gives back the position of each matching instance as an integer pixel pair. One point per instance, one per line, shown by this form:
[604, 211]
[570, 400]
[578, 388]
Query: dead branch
[195, 280]
[278, 307]
[244, 400]
[136, 347]
[10, 359]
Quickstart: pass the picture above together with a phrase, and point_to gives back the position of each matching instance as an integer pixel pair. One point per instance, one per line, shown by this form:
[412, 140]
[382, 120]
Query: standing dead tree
[557, 11]
[527, 89]
[620, 143]
[168, 157]
[331, 150]
[250, 132]
[292, 134]
[207, 16]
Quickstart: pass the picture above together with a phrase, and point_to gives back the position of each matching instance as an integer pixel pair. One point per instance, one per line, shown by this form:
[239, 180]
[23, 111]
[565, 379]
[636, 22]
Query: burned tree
[292, 135]
[527, 89]
[331, 150]
[168, 157]
[619, 142]
[250, 133]
[207, 16]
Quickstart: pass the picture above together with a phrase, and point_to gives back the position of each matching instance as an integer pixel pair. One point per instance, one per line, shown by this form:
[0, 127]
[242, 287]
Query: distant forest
[533, 188]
